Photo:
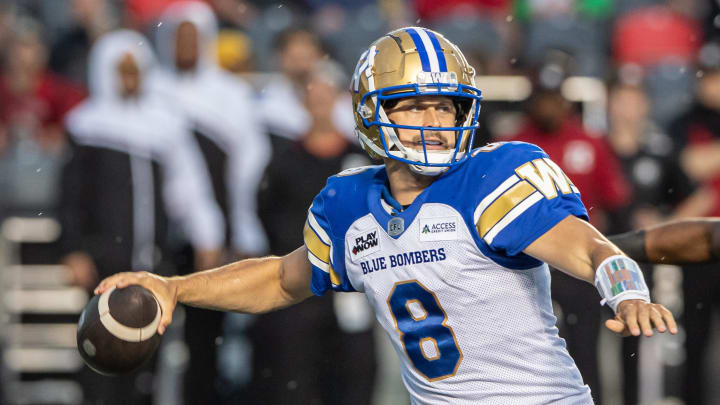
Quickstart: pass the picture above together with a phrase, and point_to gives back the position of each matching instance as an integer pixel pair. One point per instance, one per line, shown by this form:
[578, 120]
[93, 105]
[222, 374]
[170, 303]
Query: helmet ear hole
[389, 104]
[462, 107]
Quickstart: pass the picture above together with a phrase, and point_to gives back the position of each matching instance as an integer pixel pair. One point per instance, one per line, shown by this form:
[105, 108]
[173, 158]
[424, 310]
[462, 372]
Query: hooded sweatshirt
[224, 119]
[133, 157]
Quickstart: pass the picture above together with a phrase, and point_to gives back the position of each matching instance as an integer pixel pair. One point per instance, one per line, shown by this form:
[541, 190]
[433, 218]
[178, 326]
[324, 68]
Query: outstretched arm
[251, 286]
[578, 249]
[695, 240]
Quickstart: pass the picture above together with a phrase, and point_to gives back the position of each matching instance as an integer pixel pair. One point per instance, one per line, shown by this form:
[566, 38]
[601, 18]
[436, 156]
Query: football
[117, 330]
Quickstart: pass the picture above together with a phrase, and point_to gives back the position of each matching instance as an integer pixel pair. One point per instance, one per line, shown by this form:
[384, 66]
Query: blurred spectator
[34, 103]
[336, 362]
[133, 167]
[282, 106]
[593, 168]
[650, 162]
[484, 29]
[662, 42]
[654, 35]
[587, 160]
[226, 124]
[577, 27]
[698, 133]
[220, 109]
[649, 159]
[69, 55]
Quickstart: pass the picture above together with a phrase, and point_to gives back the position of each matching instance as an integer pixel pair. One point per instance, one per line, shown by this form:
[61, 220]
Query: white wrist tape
[619, 278]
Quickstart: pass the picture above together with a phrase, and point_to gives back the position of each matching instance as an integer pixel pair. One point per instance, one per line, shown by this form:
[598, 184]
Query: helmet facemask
[466, 100]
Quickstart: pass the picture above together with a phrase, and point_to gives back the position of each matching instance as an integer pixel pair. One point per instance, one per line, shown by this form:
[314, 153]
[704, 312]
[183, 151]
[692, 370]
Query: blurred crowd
[176, 136]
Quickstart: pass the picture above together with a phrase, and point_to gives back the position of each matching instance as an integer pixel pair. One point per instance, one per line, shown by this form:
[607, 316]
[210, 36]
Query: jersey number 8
[422, 323]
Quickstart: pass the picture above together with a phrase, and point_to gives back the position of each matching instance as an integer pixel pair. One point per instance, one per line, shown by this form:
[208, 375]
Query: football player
[448, 244]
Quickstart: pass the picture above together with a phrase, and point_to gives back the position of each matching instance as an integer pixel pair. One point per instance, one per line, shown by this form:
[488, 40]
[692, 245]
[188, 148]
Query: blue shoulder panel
[335, 208]
[511, 194]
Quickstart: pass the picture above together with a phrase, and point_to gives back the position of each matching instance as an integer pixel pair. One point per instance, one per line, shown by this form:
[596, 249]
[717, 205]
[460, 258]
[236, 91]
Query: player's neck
[405, 185]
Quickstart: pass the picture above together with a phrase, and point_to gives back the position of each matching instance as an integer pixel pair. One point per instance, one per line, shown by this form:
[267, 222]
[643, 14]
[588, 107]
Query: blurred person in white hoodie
[134, 171]
[225, 123]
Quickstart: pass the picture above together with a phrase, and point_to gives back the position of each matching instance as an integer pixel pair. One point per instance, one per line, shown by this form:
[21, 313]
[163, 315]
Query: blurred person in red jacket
[34, 99]
[33, 103]
[590, 163]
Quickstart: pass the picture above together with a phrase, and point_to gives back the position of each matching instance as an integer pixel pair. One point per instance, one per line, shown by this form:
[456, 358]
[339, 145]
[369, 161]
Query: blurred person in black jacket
[650, 162]
[219, 107]
[133, 169]
[335, 330]
[697, 132]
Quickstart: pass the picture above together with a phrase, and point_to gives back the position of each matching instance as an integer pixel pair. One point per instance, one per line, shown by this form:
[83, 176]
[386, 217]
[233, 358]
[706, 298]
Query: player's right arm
[695, 240]
[251, 286]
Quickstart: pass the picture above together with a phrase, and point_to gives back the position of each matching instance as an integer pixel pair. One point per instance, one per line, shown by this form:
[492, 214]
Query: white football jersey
[468, 313]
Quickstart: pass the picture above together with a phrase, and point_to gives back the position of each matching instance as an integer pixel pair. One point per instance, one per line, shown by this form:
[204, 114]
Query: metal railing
[39, 358]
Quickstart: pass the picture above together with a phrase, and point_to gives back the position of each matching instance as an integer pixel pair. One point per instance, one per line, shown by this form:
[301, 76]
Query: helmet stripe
[420, 46]
[438, 50]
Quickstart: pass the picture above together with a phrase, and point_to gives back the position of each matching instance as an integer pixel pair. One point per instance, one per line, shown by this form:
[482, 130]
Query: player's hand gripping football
[634, 317]
[162, 288]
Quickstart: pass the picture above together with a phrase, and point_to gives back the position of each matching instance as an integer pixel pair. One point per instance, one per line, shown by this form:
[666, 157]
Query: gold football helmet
[410, 62]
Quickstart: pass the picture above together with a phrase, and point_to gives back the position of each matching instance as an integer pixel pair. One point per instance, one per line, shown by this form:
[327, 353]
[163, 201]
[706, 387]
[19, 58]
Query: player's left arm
[578, 249]
[694, 240]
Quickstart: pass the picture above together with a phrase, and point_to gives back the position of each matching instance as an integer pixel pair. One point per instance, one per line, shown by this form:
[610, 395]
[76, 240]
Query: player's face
[186, 46]
[425, 111]
[129, 76]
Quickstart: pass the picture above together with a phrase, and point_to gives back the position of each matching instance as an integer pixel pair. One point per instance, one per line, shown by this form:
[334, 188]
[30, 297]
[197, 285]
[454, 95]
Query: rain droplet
[417, 21]
[509, 18]
[632, 354]
[159, 24]
[140, 43]
[513, 61]
[40, 214]
[38, 170]
[280, 5]
[218, 340]
[699, 74]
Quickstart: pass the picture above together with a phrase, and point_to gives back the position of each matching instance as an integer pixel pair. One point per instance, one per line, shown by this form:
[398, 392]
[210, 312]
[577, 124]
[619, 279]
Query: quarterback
[450, 245]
